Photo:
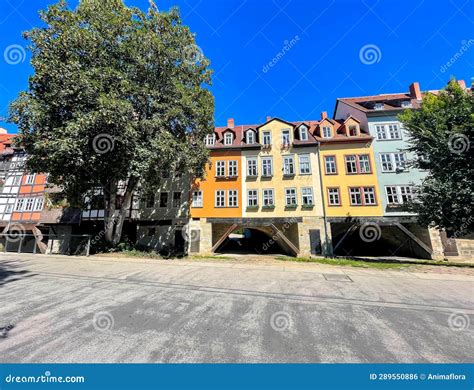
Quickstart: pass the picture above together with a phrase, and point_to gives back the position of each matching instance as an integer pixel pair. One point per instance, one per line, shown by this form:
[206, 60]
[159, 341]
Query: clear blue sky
[413, 39]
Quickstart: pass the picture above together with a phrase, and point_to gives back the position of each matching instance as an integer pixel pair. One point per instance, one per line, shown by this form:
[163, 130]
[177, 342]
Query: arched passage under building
[258, 240]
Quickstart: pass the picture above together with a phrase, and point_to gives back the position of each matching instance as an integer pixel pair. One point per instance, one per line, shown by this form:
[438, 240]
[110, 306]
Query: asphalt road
[64, 309]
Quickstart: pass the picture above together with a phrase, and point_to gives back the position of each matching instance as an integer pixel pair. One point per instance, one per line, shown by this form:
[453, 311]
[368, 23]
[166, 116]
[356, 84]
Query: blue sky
[324, 56]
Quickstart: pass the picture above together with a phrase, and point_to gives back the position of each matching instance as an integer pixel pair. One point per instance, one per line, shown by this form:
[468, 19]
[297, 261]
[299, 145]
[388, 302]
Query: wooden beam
[351, 230]
[414, 238]
[280, 234]
[224, 236]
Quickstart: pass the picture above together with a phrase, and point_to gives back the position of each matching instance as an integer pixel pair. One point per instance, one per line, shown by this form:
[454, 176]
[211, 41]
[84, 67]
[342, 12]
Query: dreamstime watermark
[459, 321]
[280, 321]
[370, 54]
[286, 225]
[45, 378]
[192, 54]
[370, 232]
[287, 46]
[189, 234]
[15, 232]
[103, 321]
[15, 319]
[103, 143]
[464, 48]
[458, 143]
[14, 54]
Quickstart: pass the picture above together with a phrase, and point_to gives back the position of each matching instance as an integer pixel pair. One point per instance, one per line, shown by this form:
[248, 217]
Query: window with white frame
[232, 166]
[285, 137]
[369, 196]
[388, 131]
[305, 164]
[399, 160]
[406, 104]
[220, 168]
[290, 196]
[288, 165]
[232, 199]
[351, 164]
[327, 132]
[307, 196]
[378, 106]
[268, 197]
[20, 204]
[16, 180]
[267, 138]
[252, 198]
[250, 137]
[9, 208]
[252, 169]
[355, 196]
[267, 166]
[210, 139]
[220, 198]
[29, 204]
[386, 162]
[334, 197]
[330, 165]
[303, 133]
[391, 162]
[228, 138]
[399, 194]
[407, 193]
[392, 194]
[197, 199]
[30, 179]
[364, 163]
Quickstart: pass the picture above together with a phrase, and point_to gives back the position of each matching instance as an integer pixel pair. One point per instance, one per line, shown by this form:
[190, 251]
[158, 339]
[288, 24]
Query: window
[210, 139]
[197, 199]
[388, 131]
[378, 106]
[176, 199]
[399, 161]
[9, 208]
[288, 165]
[303, 133]
[364, 163]
[16, 180]
[360, 196]
[334, 197]
[290, 197]
[386, 161]
[267, 166]
[228, 138]
[330, 165]
[30, 179]
[150, 200]
[164, 199]
[307, 196]
[356, 197]
[232, 198]
[250, 137]
[252, 198]
[233, 168]
[29, 204]
[351, 164]
[20, 204]
[267, 138]
[393, 161]
[392, 194]
[305, 164]
[369, 196]
[252, 169]
[327, 133]
[353, 131]
[406, 104]
[220, 168]
[407, 193]
[268, 197]
[220, 198]
[285, 137]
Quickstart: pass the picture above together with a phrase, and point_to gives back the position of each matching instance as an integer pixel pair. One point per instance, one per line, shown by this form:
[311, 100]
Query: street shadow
[9, 272]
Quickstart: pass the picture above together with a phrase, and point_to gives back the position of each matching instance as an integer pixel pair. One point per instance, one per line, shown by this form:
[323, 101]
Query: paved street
[66, 309]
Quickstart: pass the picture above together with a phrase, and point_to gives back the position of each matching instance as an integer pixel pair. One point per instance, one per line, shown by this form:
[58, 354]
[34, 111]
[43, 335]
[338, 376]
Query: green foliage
[117, 95]
[442, 135]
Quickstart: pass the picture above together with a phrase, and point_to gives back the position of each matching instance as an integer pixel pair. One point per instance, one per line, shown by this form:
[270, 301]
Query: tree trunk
[110, 196]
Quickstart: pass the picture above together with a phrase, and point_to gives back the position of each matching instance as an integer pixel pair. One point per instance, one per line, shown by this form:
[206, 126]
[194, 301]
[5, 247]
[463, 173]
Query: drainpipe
[325, 219]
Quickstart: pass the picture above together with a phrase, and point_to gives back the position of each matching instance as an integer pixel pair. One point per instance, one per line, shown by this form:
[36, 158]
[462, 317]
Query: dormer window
[303, 133]
[406, 104]
[285, 137]
[378, 106]
[228, 138]
[353, 131]
[327, 132]
[210, 139]
[250, 137]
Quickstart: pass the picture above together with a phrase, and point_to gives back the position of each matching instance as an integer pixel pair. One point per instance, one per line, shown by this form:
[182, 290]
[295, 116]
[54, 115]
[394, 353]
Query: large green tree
[442, 136]
[117, 96]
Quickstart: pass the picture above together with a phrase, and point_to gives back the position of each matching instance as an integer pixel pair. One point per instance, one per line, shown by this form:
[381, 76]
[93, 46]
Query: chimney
[268, 118]
[3, 131]
[230, 123]
[415, 90]
[324, 115]
[462, 84]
